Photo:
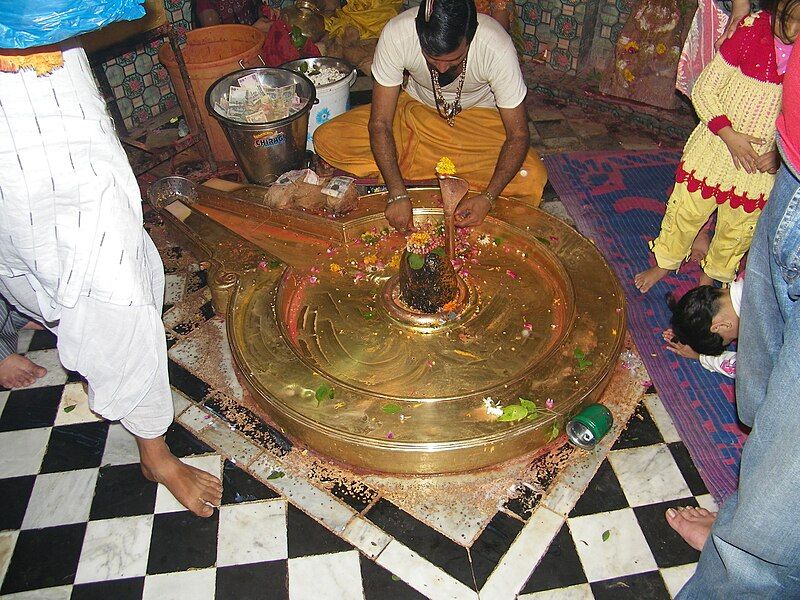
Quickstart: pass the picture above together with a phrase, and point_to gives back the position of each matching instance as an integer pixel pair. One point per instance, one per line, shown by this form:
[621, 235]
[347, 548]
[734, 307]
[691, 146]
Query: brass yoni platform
[315, 328]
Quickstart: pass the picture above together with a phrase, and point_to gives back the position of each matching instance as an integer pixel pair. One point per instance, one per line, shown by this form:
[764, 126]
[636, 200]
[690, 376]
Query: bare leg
[17, 371]
[195, 489]
[647, 279]
[692, 524]
[700, 246]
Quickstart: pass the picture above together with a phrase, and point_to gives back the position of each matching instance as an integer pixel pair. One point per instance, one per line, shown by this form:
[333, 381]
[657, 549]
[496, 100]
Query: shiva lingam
[327, 333]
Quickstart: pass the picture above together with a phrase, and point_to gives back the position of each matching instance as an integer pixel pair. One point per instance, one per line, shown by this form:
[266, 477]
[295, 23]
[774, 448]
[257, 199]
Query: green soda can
[589, 426]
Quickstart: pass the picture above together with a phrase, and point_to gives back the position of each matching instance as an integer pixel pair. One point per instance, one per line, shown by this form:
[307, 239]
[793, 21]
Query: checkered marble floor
[79, 521]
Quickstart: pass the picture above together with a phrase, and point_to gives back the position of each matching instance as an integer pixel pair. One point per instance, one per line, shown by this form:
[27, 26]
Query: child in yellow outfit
[729, 161]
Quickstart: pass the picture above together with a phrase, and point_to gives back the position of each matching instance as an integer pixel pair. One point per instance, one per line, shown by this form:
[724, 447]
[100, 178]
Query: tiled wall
[579, 35]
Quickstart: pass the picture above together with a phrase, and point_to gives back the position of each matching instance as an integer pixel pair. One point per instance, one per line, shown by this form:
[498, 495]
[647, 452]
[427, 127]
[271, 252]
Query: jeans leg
[753, 551]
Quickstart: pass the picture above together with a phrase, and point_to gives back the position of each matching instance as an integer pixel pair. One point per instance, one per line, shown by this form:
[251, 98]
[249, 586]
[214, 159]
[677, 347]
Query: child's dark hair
[450, 22]
[780, 14]
[692, 316]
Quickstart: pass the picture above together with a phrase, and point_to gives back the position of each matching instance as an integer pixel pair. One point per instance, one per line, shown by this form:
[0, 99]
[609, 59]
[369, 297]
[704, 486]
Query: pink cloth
[789, 119]
[782, 53]
[698, 49]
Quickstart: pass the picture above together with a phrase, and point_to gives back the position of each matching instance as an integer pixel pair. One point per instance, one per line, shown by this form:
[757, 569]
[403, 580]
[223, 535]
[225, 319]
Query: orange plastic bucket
[211, 53]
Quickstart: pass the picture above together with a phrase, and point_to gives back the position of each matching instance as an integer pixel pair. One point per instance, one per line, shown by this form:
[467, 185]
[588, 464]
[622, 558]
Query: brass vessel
[307, 17]
[334, 364]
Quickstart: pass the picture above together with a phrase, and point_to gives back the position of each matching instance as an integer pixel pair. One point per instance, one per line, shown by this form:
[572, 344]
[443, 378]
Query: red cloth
[789, 119]
[278, 47]
[752, 49]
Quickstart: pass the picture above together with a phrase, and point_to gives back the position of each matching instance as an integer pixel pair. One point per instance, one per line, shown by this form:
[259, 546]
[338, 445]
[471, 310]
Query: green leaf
[298, 39]
[606, 535]
[579, 353]
[415, 261]
[368, 314]
[70, 408]
[303, 67]
[274, 264]
[513, 412]
[439, 251]
[324, 392]
[391, 409]
[554, 432]
[545, 241]
[276, 475]
[527, 404]
[395, 578]
[498, 241]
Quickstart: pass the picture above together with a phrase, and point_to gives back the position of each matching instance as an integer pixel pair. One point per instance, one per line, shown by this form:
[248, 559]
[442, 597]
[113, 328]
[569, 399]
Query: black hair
[780, 11]
[692, 317]
[450, 22]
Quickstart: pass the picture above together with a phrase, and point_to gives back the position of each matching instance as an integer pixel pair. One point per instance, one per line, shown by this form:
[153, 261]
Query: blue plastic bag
[30, 23]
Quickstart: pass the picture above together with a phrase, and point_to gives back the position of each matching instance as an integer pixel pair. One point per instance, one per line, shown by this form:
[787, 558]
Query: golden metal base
[338, 363]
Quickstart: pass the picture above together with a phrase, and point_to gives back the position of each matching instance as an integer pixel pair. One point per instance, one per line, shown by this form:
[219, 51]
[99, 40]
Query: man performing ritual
[463, 99]
[75, 257]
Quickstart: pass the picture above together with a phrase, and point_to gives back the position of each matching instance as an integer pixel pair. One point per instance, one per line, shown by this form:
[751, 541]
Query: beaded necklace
[448, 110]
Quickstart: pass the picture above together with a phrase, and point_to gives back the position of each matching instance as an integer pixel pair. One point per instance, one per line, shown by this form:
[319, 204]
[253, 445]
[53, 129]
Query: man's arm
[472, 211]
[384, 150]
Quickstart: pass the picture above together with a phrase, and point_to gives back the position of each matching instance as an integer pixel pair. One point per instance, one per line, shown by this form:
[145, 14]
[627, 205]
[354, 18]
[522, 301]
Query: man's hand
[471, 212]
[768, 162]
[678, 348]
[399, 215]
[740, 145]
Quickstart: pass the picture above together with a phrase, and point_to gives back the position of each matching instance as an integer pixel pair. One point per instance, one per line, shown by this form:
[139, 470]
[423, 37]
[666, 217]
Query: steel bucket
[266, 150]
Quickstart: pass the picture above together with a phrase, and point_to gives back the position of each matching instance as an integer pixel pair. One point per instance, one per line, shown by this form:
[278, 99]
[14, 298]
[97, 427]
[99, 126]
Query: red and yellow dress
[741, 88]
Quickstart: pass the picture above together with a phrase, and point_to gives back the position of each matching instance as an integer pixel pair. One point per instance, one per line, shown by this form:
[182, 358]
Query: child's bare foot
[647, 279]
[16, 371]
[705, 280]
[692, 524]
[195, 489]
[700, 246]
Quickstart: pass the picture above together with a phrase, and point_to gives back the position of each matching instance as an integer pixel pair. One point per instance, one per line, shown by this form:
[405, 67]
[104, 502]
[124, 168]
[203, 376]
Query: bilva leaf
[276, 475]
[415, 261]
[391, 409]
[513, 412]
[606, 535]
[69, 408]
[323, 392]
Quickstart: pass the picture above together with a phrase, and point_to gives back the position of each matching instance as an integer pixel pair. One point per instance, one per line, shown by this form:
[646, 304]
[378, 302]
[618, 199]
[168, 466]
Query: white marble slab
[62, 592]
[56, 375]
[21, 452]
[219, 434]
[366, 536]
[180, 402]
[573, 592]
[252, 532]
[210, 463]
[516, 566]
[115, 549]
[326, 577]
[623, 553]
[24, 340]
[676, 577]
[648, 475]
[8, 539]
[120, 447]
[423, 576]
[318, 504]
[707, 501]
[174, 287]
[3, 400]
[185, 585]
[60, 499]
[74, 396]
[661, 418]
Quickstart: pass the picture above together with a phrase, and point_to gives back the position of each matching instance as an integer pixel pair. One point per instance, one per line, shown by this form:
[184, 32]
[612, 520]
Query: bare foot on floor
[16, 371]
[700, 246]
[692, 524]
[705, 280]
[647, 279]
[197, 490]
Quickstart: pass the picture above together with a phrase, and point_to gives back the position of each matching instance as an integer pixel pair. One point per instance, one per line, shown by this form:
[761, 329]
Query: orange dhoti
[422, 138]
